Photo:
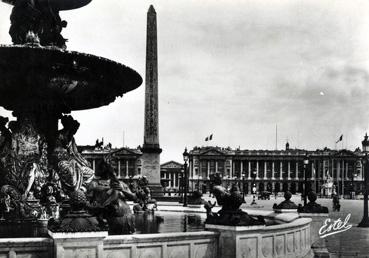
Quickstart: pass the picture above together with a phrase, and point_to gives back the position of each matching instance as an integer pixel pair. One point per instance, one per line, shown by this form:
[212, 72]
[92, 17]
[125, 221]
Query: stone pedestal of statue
[151, 170]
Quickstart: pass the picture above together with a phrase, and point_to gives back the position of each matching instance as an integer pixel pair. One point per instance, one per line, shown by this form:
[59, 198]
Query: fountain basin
[289, 236]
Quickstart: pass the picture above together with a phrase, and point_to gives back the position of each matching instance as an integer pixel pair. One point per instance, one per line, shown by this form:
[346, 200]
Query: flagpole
[342, 177]
[276, 137]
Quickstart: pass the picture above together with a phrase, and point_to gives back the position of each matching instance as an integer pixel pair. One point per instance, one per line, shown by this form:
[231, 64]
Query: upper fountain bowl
[61, 5]
[44, 77]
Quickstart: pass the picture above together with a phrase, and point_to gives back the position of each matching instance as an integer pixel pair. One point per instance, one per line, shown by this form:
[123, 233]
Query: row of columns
[173, 182]
[122, 169]
[195, 173]
[341, 168]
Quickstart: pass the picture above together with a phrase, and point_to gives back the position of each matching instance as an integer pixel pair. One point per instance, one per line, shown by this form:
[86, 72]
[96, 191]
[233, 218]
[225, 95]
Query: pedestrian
[336, 203]
[204, 188]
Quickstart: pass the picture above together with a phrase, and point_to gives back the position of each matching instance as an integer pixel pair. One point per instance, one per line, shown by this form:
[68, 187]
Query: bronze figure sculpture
[230, 214]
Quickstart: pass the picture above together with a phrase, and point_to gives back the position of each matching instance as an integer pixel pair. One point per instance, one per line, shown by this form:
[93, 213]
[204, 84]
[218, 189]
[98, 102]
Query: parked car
[264, 195]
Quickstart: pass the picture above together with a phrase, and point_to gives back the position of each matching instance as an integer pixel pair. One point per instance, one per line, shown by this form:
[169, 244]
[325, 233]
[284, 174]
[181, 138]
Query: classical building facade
[127, 164]
[171, 173]
[125, 161]
[325, 171]
[278, 170]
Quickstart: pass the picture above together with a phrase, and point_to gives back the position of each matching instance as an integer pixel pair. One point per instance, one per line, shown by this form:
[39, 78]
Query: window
[293, 169]
[204, 168]
[285, 169]
[212, 166]
[261, 169]
[221, 166]
[277, 168]
[269, 169]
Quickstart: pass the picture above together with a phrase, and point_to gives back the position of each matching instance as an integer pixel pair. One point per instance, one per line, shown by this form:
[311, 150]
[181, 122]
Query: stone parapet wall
[289, 239]
[284, 240]
[165, 245]
[318, 245]
[26, 247]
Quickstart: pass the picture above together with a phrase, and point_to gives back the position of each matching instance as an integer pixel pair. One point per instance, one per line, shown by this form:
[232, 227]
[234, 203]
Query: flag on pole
[340, 139]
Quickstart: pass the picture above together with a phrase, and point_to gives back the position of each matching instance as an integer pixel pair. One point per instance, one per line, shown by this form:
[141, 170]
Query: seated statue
[73, 169]
[287, 203]
[195, 198]
[36, 17]
[230, 214]
[119, 216]
[109, 203]
[143, 194]
[312, 206]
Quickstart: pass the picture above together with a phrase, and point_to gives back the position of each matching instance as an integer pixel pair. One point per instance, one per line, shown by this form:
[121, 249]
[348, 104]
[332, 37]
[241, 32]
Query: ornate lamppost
[354, 174]
[243, 186]
[198, 181]
[306, 162]
[365, 221]
[185, 190]
[253, 187]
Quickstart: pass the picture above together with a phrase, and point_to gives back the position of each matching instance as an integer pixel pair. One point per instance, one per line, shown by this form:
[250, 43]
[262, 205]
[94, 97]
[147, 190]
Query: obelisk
[150, 159]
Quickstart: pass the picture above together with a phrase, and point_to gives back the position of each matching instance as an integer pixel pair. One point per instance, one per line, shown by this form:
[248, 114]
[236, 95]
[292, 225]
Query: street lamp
[198, 182]
[243, 186]
[253, 188]
[185, 158]
[354, 174]
[306, 162]
[365, 221]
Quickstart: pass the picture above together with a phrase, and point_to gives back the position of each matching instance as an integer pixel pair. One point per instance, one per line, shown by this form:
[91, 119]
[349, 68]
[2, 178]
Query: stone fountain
[41, 170]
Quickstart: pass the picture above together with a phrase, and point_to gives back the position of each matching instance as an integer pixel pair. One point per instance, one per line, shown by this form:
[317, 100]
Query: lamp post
[198, 181]
[365, 221]
[253, 188]
[243, 186]
[185, 190]
[306, 162]
[352, 188]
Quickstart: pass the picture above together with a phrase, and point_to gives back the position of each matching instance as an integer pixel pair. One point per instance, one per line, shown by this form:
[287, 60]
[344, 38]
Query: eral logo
[331, 227]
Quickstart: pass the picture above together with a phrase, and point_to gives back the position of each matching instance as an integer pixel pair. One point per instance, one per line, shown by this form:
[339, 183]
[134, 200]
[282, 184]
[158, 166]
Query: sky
[232, 68]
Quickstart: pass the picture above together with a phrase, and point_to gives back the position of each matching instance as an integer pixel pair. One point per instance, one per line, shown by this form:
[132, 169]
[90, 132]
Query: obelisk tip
[151, 9]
